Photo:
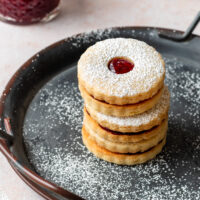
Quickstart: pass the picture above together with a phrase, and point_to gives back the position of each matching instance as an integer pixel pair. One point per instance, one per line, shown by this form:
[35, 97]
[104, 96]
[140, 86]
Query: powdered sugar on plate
[52, 134]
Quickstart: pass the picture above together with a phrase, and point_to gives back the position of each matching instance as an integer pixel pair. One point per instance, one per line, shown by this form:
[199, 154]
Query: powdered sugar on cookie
[147, 72]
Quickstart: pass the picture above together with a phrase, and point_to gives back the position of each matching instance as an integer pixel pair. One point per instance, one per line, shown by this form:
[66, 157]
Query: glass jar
[28, 11]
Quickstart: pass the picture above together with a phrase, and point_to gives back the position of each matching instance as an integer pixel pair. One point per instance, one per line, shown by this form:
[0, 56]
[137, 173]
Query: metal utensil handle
[187, 33]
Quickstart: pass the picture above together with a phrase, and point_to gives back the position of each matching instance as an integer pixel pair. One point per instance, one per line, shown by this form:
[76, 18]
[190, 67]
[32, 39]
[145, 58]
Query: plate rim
[5, 149]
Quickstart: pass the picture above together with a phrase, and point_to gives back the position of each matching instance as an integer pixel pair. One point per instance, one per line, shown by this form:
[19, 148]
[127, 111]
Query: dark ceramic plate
[41, 111]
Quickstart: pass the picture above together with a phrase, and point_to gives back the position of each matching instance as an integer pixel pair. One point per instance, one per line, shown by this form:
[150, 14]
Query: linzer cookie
[120, 110]
[119, 137]
[121, 71]
[126, 102]
[120, 158]
[136, 123]
[126, 147]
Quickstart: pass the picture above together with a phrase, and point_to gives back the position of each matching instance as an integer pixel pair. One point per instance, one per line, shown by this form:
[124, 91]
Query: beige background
[18, 43]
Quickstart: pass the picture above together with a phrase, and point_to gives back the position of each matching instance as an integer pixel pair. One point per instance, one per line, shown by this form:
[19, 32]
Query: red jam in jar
[120, 65]
[28, 11]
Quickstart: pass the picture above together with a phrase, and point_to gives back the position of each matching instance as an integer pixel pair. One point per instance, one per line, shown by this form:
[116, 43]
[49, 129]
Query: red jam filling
[27, 11]
[120, 65]
[120, 133]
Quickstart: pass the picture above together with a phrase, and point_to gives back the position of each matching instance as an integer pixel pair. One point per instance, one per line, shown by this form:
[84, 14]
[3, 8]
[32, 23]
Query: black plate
[43, 110]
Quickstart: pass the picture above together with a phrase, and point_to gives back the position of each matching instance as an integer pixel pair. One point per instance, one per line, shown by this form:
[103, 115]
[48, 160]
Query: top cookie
[143, 77]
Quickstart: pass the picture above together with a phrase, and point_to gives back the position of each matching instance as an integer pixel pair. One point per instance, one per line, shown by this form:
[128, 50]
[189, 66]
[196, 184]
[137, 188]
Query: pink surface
[18, 43]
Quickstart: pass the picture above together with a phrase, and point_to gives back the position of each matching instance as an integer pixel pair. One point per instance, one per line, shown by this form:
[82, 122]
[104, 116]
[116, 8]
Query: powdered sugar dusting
[143, 118]
[148, 67]
[52, 134]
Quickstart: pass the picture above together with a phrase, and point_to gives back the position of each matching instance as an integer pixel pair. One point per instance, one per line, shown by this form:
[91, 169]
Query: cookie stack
[126, 102]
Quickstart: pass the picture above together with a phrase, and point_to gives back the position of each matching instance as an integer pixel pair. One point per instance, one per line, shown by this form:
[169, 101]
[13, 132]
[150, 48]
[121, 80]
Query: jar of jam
[28, 11]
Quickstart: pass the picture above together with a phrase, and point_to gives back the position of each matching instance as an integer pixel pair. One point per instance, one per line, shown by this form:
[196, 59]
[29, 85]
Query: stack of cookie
[126, 102]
